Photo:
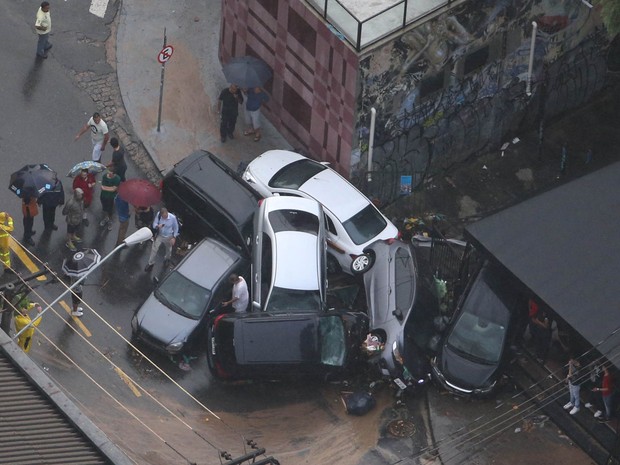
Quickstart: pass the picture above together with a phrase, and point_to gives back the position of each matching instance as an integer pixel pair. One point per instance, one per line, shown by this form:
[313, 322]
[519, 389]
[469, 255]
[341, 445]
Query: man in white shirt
[98, 133]
[43, 26]
[240, 296]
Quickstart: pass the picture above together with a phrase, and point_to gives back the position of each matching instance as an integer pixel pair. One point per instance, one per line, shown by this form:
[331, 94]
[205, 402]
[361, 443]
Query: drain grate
[401, 428]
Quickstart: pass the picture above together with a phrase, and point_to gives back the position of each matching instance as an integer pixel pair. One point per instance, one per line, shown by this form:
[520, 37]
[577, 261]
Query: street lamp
[141, 235]
[528, 89]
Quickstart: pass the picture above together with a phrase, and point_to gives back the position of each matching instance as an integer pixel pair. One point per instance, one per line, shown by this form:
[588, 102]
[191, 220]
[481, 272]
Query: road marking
[77, 320]
[98, 7]
[24, 257]
[128, 382]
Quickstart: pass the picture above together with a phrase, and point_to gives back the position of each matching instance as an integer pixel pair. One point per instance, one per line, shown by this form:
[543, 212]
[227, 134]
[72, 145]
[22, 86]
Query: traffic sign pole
[161, 85]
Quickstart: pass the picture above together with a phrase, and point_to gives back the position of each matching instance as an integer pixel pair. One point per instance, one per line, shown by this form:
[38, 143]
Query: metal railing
[363, 32]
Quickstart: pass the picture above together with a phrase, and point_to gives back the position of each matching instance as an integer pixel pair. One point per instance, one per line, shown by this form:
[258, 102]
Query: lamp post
[528, 89]
[141, 235]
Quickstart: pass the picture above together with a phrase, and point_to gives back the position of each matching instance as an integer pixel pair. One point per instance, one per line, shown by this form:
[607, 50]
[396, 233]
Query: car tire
[362, 263]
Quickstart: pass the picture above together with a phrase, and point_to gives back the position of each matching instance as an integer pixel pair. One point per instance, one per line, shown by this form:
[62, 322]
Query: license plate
[400, 383]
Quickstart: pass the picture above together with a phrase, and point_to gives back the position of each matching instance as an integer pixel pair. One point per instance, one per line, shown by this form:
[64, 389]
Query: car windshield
[478, 338]
[183, 296]
[296, 174]
[294, 220]
[293, 300]
[365, 225]
[333, 347]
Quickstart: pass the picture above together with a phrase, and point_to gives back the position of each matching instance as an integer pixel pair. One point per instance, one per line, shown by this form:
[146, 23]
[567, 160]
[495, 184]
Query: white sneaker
[587, 405]
[574, 410]
[78, 312]
[569, 405]
[597, 414]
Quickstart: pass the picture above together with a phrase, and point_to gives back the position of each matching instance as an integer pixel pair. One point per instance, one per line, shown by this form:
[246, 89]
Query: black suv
[211, 199]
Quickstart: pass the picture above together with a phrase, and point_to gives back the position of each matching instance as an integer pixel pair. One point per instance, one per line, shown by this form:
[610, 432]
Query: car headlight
[485, 390]
[175, 347]
[396, 353]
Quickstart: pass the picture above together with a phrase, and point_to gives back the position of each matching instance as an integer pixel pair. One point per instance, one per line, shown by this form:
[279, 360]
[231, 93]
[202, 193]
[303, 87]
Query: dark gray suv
[211, 199]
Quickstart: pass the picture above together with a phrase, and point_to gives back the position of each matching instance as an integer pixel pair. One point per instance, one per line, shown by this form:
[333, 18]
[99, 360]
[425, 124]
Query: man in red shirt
[86, 182]
[606, 390]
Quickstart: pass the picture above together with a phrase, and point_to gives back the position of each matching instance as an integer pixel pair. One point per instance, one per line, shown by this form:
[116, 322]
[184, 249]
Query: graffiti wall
[458, 84]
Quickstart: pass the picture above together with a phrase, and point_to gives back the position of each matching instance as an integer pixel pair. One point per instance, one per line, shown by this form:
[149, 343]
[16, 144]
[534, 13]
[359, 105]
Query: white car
[289, 272]
[352, 221]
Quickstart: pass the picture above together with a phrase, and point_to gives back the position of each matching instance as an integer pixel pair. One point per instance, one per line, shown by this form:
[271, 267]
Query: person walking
[49, 201]
[98, 134]
[6, 227]
[74, 211]
[43, 27]
[255, 98]
[29, 210]
[122, 210]
[166, 227]
[240, 296]
[118, 158]
[22, 319]
[109, 186]
[85, 181]
[574, 385]
[76, 298]
[228, 108]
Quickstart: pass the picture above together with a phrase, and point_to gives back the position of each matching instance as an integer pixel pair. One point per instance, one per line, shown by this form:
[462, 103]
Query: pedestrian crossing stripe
[77, 320]
[24, 257]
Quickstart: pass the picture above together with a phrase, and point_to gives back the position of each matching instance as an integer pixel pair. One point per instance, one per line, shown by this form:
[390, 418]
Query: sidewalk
[192, 83]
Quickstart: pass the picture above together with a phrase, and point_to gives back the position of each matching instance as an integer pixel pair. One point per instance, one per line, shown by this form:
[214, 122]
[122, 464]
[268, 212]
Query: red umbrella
[139, 192]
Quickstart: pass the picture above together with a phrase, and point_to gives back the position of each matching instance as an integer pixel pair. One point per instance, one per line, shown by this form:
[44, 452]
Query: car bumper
[441, 380]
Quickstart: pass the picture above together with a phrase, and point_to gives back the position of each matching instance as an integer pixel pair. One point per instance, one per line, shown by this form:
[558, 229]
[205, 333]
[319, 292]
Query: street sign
[165, 54]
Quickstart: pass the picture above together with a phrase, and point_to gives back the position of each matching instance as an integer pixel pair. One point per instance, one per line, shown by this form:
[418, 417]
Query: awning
[564, 245]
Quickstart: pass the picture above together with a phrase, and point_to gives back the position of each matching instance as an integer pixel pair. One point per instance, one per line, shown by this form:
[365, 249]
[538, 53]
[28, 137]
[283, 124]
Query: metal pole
[69, 289]
[371, 141]
[528, 88]
[161, 87]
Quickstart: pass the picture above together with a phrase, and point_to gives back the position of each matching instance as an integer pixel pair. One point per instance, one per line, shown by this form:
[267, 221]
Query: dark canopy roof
[564, 245]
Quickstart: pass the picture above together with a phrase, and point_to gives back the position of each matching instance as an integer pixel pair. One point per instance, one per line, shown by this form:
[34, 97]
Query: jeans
[607, 401]
[573, 389]
[43, 44]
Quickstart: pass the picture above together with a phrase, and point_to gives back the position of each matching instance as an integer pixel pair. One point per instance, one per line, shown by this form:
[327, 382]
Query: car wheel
[362, 263]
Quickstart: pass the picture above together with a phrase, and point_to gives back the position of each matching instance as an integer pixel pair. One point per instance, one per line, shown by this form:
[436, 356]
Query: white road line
[98, 7]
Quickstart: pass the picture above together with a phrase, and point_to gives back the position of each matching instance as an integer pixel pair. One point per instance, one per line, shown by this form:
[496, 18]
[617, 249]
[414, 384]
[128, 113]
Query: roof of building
[564, 246]
[38, 422]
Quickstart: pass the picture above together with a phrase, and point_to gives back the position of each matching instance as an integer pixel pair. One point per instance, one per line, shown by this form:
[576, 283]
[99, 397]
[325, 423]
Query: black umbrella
[80, 263]
[247, 72]
[33, 180]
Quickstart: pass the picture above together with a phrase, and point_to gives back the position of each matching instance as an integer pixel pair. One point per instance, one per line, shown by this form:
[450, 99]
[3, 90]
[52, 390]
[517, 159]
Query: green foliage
[610, 13]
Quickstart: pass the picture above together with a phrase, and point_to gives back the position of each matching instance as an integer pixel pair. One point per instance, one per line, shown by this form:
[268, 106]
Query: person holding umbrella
[49, 201]
[228, 108]
[6, 227]
[73, 211]
[85, 181]
[255, 97]
[29, 210]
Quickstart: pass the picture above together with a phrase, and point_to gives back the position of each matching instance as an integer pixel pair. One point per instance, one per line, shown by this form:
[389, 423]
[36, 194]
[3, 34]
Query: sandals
[248, 133]
[256, 138]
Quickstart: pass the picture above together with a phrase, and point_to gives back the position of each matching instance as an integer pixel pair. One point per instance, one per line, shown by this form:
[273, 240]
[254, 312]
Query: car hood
[162, 323]
[465, 373]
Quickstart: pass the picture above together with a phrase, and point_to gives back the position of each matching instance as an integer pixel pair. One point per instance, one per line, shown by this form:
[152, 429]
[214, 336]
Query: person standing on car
[240, 296]
[166, 227]
[228, 108]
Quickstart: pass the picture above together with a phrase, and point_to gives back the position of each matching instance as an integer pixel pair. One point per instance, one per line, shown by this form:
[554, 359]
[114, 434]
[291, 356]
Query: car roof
[327, 187]
[208, 262]
[276, 340]
[230, 192]
[296, 260]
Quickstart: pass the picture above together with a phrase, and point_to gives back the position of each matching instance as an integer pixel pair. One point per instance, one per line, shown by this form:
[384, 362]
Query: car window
[294, 220]
[477, 338]
[330, 225]
[404, 282]
[183, 295]
[296, 174]
[332, 340]
[266, 266]
[365, 225]
[293, 300]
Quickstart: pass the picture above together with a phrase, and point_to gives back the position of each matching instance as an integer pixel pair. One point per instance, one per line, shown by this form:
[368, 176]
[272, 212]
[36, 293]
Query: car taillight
[260, 202]
[390, 241]
[161, 185]
[217, 320]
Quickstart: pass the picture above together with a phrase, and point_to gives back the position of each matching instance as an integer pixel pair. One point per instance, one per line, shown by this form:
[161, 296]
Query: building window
[294, 104]
[301, 31]
[271, 6]
[476, 60]
[430, 85]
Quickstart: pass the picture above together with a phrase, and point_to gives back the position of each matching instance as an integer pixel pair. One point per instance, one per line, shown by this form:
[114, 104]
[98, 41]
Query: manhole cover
[401, 428]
